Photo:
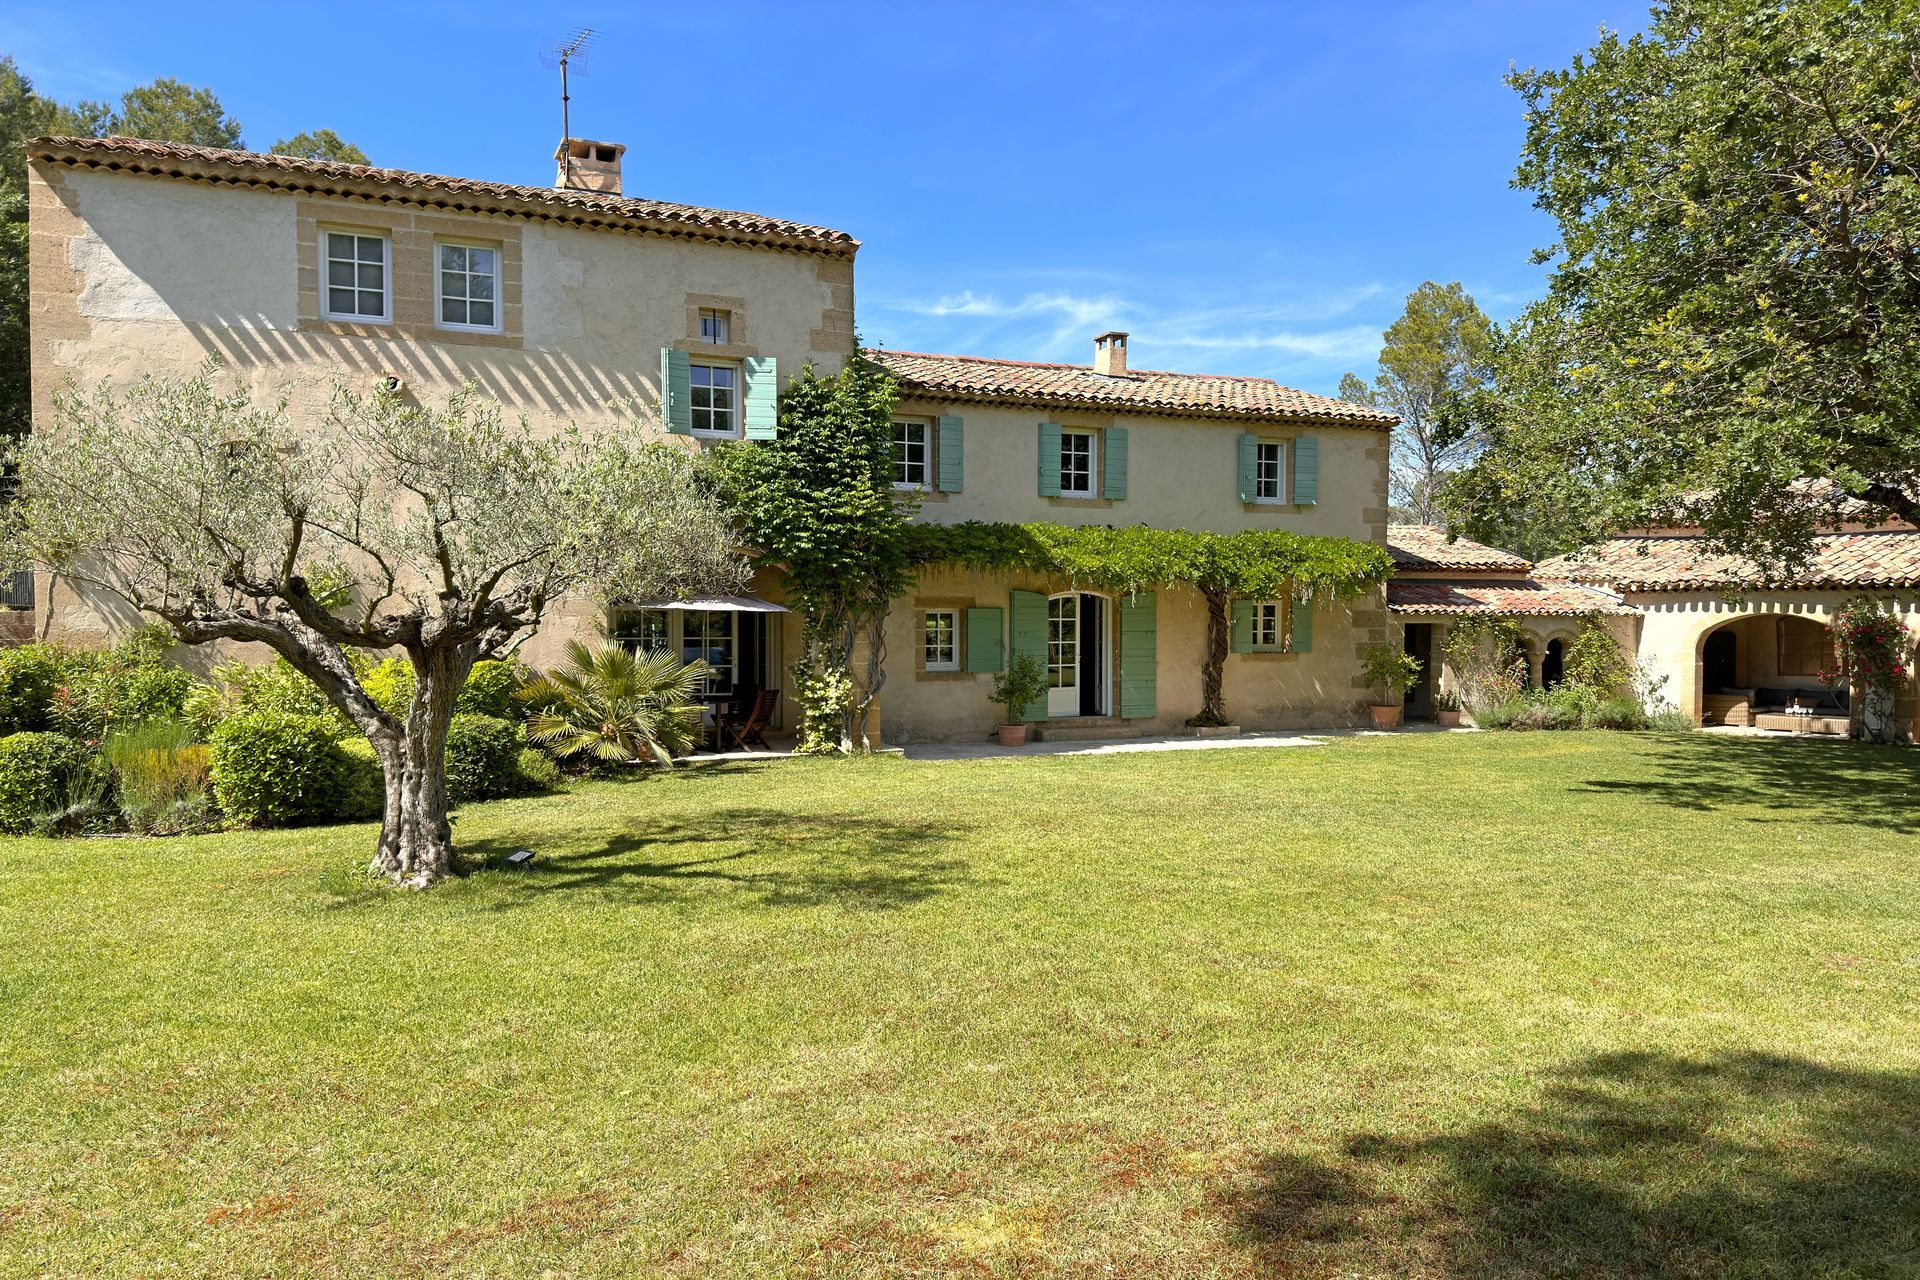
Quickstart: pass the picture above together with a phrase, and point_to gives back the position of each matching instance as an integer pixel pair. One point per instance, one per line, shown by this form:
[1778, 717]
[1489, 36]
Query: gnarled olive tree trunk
[1213, 698]
[416, 839]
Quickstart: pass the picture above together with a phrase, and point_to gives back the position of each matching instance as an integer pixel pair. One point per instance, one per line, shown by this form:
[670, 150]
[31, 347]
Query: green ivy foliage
[1253, 564]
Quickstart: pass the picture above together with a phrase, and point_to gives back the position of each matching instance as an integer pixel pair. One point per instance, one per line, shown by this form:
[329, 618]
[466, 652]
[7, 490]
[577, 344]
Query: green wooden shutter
[985, 648]
[1306, 471]
[950, 454]
[1049, 459]
[1113, 478]
[1027, 638]
[1302, 638]
[1249, 467]
[1242, 626]
[1139, 656]
[676, 392]
[762, 397]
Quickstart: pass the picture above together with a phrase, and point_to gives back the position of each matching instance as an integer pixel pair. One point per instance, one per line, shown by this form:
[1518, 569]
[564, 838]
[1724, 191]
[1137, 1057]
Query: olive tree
[443, 531]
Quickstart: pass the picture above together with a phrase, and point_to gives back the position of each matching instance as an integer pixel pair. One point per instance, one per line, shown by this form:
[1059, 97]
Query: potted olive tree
[1388, 670]
[1018, 687]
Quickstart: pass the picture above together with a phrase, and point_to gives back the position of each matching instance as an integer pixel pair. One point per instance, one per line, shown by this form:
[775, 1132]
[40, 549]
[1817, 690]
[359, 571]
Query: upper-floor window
[716, 405]
[1076, 463]
[912, 456]
[469, 286]
[1270, 471]
[1268, 618]
[716, 327]
[357, 284]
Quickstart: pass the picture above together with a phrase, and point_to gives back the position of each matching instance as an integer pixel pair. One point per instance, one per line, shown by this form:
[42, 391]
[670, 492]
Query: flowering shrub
[1871, 648]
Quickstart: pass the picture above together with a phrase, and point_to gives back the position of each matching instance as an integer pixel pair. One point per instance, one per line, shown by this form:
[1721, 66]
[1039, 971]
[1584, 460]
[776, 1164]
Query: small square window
[716, 327]
[1268, 617]
[1076, 464]
[355, 268]
[940, 640]
[911, 456]
[716, 410]
[469, 286]
[1270, 471]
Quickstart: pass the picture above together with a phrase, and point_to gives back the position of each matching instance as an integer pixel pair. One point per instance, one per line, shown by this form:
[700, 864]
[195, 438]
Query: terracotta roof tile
[321, 177]
[1020, 382]
[1524, 597]
[1884, 558]
[1424, 547]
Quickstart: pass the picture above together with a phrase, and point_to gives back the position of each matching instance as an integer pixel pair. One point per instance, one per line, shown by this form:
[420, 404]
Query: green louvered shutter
[1243, 626]
[676, 392]
[1302, 638]
[1049, 459]
[985, 648]
[1113, 478]
[950, 454]
[1306, 471]
[1139, 656]
[1027, 638]
[762, 397]
[1249, 467]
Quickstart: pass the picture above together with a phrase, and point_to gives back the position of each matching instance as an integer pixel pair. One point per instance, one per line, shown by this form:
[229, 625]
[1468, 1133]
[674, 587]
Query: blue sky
[1247, 188]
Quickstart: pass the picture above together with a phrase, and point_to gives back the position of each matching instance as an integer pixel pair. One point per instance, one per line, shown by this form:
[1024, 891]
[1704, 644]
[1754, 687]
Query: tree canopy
[320, 144]
[1735, 301]
[1436, 354]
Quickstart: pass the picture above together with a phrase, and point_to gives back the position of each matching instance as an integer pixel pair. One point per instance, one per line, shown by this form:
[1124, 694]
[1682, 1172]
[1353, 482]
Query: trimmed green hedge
[483, 758]
[34, 769]
[277, 768]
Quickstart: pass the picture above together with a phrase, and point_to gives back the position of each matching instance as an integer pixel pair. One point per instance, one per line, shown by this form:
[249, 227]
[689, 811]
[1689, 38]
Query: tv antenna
[569, 53]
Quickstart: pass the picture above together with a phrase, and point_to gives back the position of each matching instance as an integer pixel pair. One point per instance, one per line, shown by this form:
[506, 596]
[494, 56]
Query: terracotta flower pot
[1447, 719]
[1385, 717]
[1011, 735]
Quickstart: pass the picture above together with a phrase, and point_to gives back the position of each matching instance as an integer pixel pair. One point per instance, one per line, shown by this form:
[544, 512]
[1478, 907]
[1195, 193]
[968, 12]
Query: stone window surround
[959, 604]
[1285, 436]
[739, 345]
[413, 264]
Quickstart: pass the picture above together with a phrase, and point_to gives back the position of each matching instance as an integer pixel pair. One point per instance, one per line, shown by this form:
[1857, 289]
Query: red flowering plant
[1870, 647]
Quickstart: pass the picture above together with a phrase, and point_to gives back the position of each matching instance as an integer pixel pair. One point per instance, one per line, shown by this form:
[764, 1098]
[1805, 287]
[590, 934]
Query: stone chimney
[586, 165]
[1110, 354]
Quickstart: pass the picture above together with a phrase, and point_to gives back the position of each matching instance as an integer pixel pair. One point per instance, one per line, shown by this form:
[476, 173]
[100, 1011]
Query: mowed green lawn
[1507, 1005]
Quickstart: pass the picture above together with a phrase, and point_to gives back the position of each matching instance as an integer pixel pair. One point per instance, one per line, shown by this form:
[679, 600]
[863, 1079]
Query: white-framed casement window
[716, 400]
[357, 281]
[467, 286]
[912, 453]
[940, 640]
[711, 635]
[1077, 450]
[1269, 624]
[716, 326]
[1270, 471]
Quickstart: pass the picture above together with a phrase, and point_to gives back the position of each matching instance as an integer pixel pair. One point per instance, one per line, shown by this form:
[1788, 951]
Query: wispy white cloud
[1067, 306]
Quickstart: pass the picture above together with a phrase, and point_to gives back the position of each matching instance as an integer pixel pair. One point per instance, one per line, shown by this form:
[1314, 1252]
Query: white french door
[1063, 656]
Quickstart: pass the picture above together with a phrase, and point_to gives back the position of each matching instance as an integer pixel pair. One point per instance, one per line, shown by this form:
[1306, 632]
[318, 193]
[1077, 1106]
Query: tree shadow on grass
[783, 859]
[1631, 1164]
[1797, 780]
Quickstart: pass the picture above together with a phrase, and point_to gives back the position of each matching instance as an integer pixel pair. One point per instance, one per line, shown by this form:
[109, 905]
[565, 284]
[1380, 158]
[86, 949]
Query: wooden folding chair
[747, 732]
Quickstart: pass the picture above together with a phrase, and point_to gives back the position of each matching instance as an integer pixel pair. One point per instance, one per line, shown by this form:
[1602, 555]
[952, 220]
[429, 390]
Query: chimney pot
[1110, 354]
[586, 165]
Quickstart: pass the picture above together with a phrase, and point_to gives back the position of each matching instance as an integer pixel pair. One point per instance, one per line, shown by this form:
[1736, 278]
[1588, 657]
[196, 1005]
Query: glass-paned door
[708, 634]
[1063, 656]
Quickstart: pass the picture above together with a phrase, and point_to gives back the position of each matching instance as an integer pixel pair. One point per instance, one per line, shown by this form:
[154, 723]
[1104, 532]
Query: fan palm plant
[616, 706]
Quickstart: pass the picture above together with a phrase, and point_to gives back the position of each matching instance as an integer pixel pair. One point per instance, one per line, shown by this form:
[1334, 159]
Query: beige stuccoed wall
[1674, 626]
[1263, 691]
[1181, 474]
[137, 275]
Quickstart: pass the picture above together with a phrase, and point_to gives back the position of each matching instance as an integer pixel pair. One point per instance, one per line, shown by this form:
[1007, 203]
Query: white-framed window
[467, 285]
[940, 640]
[1269, 624]
[709, 634]
[912, 454]
[716, 326]
[1270, 471]
[716, 400]
[1076, 463]
[356, 282]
